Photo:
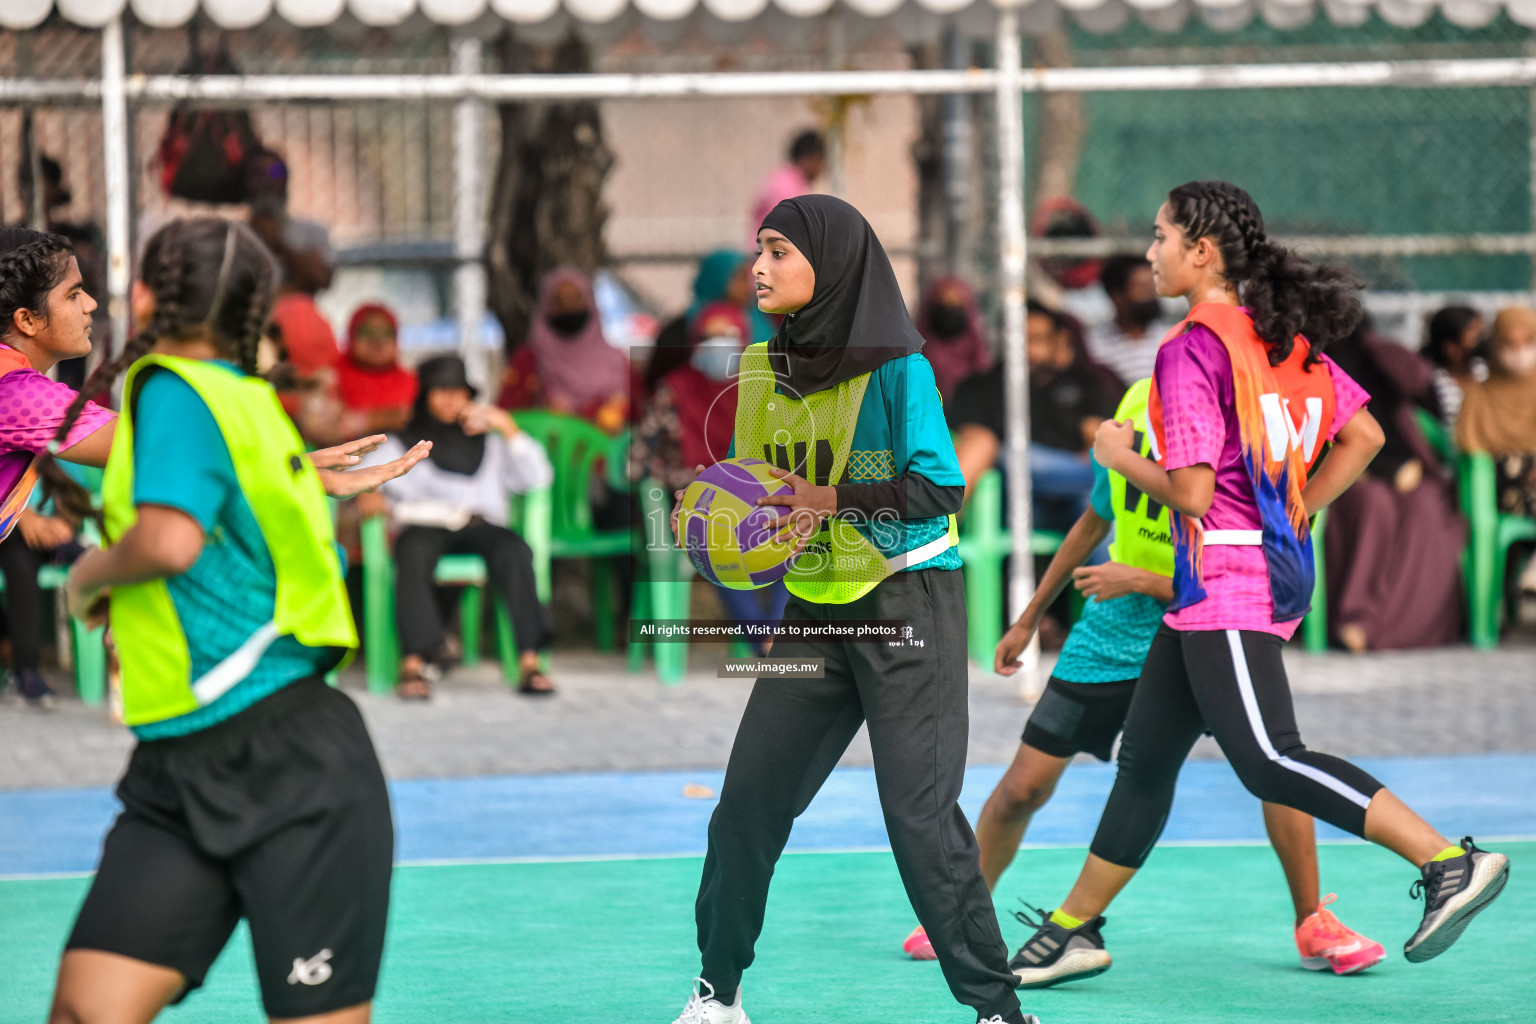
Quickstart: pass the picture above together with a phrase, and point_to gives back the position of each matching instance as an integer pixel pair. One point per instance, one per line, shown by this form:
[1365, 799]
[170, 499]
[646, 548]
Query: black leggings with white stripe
[1231, 683]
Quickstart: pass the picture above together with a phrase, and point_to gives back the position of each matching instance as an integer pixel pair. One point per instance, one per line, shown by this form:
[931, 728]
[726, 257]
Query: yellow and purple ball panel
[726, 533]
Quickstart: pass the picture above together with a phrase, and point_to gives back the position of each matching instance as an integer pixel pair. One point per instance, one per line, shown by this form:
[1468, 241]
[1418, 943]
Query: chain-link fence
[1362, 163]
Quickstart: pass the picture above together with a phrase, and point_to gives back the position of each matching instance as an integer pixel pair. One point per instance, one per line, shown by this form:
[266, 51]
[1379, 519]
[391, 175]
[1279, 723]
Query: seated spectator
[1127, 344]
[1393, 541]
[371, 385]
[725, 275]
[690, 423]
[303, 251]
[566, 364]
[1068, 398]
[457, 502]
[956, 338]
[1455, 337]
[1498, 416]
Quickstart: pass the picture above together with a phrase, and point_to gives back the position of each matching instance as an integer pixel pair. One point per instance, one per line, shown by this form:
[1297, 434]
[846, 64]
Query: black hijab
[453, 451]
[856, 319]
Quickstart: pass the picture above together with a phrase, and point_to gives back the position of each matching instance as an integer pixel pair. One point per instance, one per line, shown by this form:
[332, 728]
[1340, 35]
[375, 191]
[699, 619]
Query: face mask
[715, 358]
[1519, 361]
[949, 321]
[1143, 313]
[569, 325]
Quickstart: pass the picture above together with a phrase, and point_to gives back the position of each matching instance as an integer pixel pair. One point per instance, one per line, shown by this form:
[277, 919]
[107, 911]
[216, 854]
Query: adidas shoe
[917, 945]
[704, 1008]
[1454, 891]
[1324, 941]
[1055, 954]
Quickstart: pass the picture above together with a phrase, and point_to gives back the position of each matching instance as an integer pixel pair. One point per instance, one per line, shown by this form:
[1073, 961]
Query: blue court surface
[581, 816]
[548, 899]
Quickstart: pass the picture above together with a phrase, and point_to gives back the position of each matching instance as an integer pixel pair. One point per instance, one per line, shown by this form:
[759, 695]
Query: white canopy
[912, 18]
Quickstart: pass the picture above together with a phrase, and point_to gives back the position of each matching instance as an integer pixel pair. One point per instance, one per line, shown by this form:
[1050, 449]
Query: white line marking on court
[603, 858]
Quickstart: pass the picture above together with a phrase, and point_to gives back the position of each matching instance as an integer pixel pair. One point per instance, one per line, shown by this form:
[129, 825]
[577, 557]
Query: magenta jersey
[31, 409]
[1194, 379]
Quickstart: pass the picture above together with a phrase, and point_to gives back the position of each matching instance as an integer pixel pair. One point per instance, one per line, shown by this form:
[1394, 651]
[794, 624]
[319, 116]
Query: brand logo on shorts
[314, 971]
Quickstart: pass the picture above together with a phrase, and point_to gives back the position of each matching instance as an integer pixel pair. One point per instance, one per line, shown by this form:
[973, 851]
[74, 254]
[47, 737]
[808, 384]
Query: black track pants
[791, 735]
[509, 565]
[1232, 683]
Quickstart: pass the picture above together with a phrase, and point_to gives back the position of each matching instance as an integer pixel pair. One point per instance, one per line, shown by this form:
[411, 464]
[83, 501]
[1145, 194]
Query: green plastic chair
[1314, 627]
[531, 515]
[1491, 535]
[984, 544]
[578, 449]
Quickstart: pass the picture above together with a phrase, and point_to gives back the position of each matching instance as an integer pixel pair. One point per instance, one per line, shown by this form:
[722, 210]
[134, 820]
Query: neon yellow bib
[1143, 537]
[289, 504]
[812, 437]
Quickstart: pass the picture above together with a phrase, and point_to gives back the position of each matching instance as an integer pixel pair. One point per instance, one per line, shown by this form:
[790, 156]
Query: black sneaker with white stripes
[1055, 954]
[1454, 891]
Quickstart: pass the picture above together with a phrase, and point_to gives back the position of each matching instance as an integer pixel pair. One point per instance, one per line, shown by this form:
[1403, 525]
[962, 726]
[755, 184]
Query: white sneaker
[704, 1008]
[997, 1018]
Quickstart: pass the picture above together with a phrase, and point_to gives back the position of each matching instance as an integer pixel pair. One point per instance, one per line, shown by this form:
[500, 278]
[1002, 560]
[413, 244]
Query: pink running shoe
[1323, 941]
[918, 946]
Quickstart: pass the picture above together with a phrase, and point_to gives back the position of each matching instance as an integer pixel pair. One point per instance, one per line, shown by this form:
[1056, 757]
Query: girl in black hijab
[846, 407]
[458, 503]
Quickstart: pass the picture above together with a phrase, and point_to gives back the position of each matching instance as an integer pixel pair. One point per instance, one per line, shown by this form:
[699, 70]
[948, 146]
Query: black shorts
[279, 815]
[1079, 717]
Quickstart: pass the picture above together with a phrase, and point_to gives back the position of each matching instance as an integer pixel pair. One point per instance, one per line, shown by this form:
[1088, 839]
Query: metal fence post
[1011, 237]
[114, 129]
[469, 281]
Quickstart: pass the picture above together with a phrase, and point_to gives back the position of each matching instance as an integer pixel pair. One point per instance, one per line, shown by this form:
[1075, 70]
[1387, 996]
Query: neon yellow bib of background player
[811, 437]
[287, 499]
[1143, 537]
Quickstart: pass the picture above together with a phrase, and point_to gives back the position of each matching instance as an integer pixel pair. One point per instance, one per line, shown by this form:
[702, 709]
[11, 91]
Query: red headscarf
[364, 388]
[306, 335]
[706, 408]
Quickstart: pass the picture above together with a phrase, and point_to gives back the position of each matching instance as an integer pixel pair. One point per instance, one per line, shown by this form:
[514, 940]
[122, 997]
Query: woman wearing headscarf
[566, 364]
[457, 502]
[845, 406]
[370, 382]
[1393, 541]
[725, 275]
[950, 322]
[1498, 416]
[689, 422]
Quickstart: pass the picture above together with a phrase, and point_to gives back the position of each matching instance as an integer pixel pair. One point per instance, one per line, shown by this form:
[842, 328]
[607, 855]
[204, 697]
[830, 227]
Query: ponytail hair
[32, 263]
[1286, 294]
[210, 277]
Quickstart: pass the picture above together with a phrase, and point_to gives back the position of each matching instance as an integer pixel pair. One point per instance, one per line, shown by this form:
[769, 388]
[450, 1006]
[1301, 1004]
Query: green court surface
[1202, 936]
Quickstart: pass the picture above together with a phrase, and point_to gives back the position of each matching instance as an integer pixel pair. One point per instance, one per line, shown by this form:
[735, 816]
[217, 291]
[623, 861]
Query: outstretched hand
[344, 456]
[350, 483]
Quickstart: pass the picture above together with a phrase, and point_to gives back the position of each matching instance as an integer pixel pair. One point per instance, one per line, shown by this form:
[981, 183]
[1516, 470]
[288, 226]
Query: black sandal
[526, 686]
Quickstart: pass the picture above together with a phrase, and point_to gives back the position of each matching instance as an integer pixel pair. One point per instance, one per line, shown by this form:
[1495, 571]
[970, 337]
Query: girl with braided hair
[45, 317]
[1242, 403]
[254, 790]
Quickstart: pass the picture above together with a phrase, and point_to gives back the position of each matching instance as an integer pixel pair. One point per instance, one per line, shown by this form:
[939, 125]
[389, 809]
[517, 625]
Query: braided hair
[1286, 294]
[32, 263]
[209, 277]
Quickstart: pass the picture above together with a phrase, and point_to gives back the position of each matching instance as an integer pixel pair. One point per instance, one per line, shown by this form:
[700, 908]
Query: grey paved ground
[1449, 701]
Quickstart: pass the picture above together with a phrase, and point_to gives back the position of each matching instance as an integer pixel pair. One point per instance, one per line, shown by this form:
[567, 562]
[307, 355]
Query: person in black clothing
[1069, 396]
